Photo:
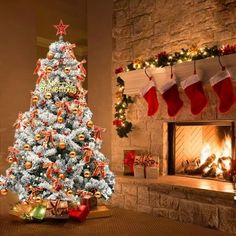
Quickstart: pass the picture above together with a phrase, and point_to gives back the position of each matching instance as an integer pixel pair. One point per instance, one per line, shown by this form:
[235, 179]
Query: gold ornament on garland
[61, 176]
[50, 55]
[38, 199]
[60, 119]
[10, 159]
[69, 193]
[3, 192]
[89, 124]
[28, 165]
[48, 95]
[37, 137]
[72, 154]
[81, 137]
[35, 99]
[98, 194]
[87, 173]
[62, 145]
[27, 147]
[75, 110]
[67, 70]
[49, 69]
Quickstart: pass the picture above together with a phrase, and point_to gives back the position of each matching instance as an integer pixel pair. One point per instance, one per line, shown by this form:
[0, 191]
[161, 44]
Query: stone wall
[207, 208]
[147, 27]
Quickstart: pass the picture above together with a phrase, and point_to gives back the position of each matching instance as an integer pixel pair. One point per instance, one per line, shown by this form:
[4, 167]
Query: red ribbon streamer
[99, 169]
[18, 121]
[51, 168]
[13, 152]
[48, 136]
[98, 132]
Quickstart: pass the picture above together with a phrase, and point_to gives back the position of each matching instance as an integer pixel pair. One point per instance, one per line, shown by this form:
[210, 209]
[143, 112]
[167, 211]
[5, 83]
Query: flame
[224, 150]
[205, 153]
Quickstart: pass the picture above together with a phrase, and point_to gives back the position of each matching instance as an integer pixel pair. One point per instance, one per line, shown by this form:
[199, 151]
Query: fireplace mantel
[206, 68]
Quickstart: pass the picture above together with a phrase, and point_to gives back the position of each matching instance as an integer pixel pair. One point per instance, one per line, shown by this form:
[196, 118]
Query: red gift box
[80, 213]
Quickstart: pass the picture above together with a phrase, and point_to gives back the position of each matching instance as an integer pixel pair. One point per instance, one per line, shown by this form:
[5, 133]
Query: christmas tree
[56, 151]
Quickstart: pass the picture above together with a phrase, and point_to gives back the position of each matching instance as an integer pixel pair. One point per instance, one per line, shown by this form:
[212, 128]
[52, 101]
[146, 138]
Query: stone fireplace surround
[205, 202]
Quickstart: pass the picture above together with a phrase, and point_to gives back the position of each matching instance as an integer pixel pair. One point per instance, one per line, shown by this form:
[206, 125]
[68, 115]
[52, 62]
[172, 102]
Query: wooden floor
[122, 222]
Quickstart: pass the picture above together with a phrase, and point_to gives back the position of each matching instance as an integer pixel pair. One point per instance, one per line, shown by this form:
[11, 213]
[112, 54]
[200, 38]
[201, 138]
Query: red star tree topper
[61, 28]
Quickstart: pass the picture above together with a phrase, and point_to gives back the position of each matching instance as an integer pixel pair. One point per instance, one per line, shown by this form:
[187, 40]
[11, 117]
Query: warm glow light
[205, 153]
[224, 150]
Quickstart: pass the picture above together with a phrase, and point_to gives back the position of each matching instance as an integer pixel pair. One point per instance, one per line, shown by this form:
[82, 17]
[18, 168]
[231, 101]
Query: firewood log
[211, 172]
[221, 163]
[200, 169]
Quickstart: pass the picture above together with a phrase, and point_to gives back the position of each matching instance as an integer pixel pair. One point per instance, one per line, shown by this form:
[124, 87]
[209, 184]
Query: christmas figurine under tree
[55, 160]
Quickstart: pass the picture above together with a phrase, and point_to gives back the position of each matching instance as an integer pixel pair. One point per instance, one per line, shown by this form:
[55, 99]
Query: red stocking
[150, 95]
[223, 87]
[193, 89]
[170, 94]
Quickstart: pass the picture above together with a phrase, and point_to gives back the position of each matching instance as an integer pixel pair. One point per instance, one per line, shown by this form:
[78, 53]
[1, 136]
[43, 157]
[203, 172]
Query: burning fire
[223, 155]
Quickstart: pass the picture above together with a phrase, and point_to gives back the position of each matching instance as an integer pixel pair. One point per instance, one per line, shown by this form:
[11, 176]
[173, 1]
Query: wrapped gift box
[129, 156]
[56, 208]
[152, 172]
[89, 201]
[139, 171]
[99, 212]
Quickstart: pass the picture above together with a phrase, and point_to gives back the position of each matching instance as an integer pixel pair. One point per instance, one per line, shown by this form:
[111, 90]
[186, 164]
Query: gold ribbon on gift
[57, 207]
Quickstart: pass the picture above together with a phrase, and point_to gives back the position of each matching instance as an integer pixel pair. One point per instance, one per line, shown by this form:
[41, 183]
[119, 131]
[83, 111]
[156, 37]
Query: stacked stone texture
[143, 28]
[210, 209]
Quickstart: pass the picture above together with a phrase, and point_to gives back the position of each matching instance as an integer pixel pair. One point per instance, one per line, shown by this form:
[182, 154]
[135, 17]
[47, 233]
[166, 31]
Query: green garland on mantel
[123, 127]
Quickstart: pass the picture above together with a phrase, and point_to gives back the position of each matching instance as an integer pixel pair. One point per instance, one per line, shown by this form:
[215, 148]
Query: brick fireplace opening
[201, 149]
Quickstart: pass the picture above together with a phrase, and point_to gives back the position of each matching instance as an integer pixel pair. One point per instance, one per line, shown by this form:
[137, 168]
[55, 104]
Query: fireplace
[201, 149]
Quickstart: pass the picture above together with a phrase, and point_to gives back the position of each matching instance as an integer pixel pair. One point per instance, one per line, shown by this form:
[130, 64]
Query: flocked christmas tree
[56, 151]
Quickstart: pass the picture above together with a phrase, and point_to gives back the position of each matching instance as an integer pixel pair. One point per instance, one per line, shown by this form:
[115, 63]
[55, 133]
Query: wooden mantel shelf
[206, 68]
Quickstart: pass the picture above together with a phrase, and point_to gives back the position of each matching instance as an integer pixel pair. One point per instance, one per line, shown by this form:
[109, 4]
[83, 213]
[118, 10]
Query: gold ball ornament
[3, 192]
[37, 137]
[67, 70]
[61, 176]
[71, 94]
[38, 199]
[81, 137]
[35, 99]
[62, 145]
[69, 193]
[50, 55]
[75, 110]
[49, 69]
[60, 119]
[72, 154]
[87, 173]
[28, 165]
[98, 194]
[89, 124]
[48, 95]
[26, 147]
[10, 159]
